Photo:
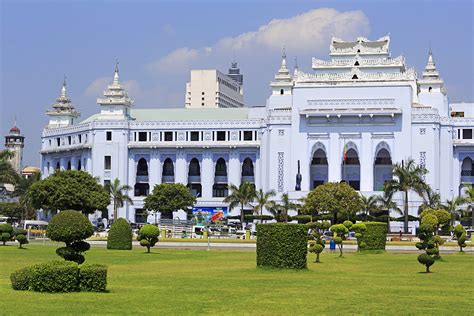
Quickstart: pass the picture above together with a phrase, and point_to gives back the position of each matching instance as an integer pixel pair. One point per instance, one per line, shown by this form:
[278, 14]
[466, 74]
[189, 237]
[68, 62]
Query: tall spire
[430, 69]
[283, 59]
[296, 67]
[116, 73]
[63, 89]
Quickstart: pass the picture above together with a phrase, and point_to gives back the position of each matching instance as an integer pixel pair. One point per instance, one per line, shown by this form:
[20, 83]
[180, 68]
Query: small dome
[31, 169]
[15, 129]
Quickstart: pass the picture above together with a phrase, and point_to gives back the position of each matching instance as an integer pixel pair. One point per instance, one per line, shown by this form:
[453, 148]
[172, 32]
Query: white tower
[63, 112]
[15, 142]
[115, 105]
[431, 91]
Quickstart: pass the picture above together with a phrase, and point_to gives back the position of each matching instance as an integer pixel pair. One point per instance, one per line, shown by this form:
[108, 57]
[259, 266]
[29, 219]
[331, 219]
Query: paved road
[247, 246]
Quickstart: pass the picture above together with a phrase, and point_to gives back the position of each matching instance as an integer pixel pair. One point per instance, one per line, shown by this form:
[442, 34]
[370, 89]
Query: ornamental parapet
[362, 62]
[201, 144]
[356, 75]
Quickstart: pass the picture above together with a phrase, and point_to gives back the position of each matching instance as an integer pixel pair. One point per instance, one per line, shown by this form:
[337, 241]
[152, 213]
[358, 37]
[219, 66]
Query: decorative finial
[234, 56]
[14, 120]
[116, 74]
[284, 53]
[63, 88]
[296, 62]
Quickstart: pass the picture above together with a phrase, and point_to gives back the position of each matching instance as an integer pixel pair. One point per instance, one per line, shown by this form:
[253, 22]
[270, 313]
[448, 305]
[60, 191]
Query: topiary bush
[429, 243]
[317, 244]
[359, 229]
[340, 230]
[71, 227]
[93, 278]
[120, 235]
[20, 236]
[6, 233]
[148, 236]
[375, 236]
[461, 236]
[55, 276]
[282, 245]
[21, 279]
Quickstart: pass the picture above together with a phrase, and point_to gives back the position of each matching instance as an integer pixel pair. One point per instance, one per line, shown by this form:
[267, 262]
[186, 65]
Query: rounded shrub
[71, 227]
[55, 276]
[93, 278]
[148, 236]
[461, 236]
[120, 235]
[6, 233]
[21, 279]
[426, 260]
[282, 245]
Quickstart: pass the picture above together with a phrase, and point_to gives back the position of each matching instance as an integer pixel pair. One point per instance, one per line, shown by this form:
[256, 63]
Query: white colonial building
[362, 103]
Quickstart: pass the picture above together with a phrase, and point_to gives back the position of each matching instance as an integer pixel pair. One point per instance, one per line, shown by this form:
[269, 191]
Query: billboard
[204, 215]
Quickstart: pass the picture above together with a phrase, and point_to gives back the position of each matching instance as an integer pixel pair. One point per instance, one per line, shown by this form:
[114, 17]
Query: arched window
[429, 89]
[319, 168]
[142, 167]
[282, 91]
[79, 166]
[194, 169]
[168, 168]
[382, 169]
[58, 166]
[383, 157]
[355, 77]
[351, 157]
[351, 168]
[466, 167]
[247, 168]
[221, 168]
[69, 165]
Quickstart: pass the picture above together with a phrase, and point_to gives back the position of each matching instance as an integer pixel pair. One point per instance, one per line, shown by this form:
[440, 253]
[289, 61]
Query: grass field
[227, 282]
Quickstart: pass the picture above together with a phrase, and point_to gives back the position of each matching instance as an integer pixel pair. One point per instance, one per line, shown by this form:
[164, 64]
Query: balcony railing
[220, 179]
[250, 179]
[168, 179]
[142, 179]
[194, 179]
[467, 173]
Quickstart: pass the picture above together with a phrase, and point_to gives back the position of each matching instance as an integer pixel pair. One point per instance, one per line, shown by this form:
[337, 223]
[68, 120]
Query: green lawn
[227, 282]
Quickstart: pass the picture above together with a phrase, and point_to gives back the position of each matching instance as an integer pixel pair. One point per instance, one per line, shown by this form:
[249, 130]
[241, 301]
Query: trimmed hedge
[120, 235]
[93, 278]
[375, 236]
[282, 245]
[55, 276]
[60, 276]
[21, 279]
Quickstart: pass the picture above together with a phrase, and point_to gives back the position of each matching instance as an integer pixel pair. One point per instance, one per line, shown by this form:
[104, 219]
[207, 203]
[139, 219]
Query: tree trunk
[317, 257]
[427, 269]
[460, 249]
[406, 212]
[340, 250]
[148, 249]
[242, 218]
[115, 211]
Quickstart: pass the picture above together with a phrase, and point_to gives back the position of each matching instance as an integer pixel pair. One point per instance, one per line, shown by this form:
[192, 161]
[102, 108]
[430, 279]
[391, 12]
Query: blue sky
[158, 42]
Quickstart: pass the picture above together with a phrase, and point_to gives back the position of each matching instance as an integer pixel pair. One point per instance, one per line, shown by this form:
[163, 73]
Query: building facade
[210, 88]
[351, 118]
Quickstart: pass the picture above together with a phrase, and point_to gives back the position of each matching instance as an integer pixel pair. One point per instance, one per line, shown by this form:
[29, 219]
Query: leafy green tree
[408, 177]
[340, 231]
[22, 191]
[69, 190]
[431, 199]
[263, 201]
[333, 198]
[453, 208]
[20, 236]
[442, 216]
[242, 195]
[428, 242]
[6, 233]
[461, 236]
[317, 244]
[71, 227]
[7, 172]
[118, 195]
[169, 197]
[13, 210]
[359, 229]
[148, 236]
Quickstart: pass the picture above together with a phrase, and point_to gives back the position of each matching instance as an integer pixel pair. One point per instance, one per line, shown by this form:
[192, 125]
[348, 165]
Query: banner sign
[204, 215]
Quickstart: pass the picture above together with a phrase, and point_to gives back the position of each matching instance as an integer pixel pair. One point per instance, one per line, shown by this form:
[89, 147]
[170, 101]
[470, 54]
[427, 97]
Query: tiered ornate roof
[361, 46]
[63, 105]
[115, 93]
[283, 77]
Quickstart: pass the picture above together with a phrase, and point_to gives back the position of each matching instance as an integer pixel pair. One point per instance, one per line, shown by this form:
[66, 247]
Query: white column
[181, 169]
[62, 163]
[73, 163]
[334, 158]
[154, 169]
[207, 174]
[257, 173]
[235, 168]
[366, 163]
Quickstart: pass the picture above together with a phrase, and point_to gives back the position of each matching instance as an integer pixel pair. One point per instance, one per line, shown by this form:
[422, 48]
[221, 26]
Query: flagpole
[344, 162]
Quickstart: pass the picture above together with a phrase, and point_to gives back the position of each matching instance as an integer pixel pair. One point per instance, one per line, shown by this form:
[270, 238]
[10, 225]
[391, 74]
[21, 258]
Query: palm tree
[452, 206]
[386, 204]
[7, 172]
[22, 191]
[280, 210]
[431, 199]
[369, 205]
[262, 198]
[469, 192]
[408, 177]
[241, 195]
[118, 195]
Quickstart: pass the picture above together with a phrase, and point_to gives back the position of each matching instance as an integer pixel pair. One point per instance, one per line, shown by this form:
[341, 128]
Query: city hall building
[351, 119]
